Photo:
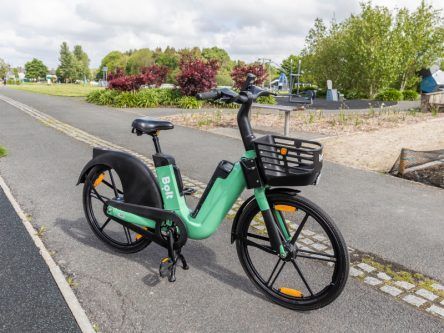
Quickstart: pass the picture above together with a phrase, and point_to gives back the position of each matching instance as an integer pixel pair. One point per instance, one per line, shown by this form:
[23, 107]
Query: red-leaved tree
[127, 83]
[152, 75]
[196, 75]
[155, 75]
[239, 74]
[118, 72]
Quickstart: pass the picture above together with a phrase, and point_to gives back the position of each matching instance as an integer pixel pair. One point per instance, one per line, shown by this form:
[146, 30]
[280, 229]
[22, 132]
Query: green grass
[70, 90]
[3, 151]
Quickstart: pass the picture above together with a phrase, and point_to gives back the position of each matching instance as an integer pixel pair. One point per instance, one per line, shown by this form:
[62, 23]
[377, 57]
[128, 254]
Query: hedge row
[393, 95]
[155, 97]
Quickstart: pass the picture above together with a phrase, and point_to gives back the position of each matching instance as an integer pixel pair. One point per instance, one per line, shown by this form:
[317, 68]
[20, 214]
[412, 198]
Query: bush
[155, 75]
[239, 74]
[389, 95]
[410, 95]
[196, 75]
[189, 102]
[266, 100]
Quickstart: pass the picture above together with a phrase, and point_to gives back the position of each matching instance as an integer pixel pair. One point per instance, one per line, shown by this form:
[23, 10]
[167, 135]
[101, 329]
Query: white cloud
[247, 29]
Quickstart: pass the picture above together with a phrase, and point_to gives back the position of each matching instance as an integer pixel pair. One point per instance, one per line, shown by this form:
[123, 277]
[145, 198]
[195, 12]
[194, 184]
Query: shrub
[410, 95]
[127, 83]
[196, 75]
[266, 100]
[118, 72]
[189, 102]
[389, 95]
[155, 75]
[168, 96]
[239, 74]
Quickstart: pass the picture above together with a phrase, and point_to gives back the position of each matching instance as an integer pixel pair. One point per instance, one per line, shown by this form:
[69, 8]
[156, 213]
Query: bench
[281, 108]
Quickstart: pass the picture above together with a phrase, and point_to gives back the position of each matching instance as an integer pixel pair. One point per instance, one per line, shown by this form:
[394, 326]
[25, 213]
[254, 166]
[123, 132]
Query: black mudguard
[250, 200]
[139, 183]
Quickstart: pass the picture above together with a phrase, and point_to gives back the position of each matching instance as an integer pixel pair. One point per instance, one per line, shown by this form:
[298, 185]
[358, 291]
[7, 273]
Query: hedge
[155, 97]
[389, 95]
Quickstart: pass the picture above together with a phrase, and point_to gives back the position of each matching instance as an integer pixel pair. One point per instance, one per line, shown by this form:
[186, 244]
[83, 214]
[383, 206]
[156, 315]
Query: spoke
[101, 198]
[302, 276]
[317, 253]
[127, 234]
[299, 229]
[111, 186]
[315, 258]
[277, 274]
[104, 224]
[265, 248]
[258, 237]
[113, 183]
[98, 196]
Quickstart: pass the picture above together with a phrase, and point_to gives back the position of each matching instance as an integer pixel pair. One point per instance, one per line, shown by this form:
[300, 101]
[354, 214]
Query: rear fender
[251, 200]
[139, 183]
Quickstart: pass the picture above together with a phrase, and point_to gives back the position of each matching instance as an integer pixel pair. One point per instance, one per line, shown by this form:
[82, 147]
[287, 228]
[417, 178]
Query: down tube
[219, 201]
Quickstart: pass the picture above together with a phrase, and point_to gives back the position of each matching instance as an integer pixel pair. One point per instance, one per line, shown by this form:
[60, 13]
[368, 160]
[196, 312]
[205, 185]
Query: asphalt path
[30, 300]
[123, 292]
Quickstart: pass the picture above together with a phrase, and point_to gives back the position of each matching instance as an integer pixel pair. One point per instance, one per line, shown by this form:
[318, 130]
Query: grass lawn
[72, 90]
[3, 151]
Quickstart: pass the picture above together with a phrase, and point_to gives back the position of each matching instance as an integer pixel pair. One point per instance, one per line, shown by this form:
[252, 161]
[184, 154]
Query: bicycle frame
[217, 204]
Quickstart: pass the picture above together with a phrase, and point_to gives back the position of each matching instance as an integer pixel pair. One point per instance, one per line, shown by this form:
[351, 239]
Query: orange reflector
[285, 208]
[99, 179]
[284, 151]
[139, 236]
[291, 292]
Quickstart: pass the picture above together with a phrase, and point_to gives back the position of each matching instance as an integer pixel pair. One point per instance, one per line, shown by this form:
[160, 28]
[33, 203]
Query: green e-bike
[289, 248]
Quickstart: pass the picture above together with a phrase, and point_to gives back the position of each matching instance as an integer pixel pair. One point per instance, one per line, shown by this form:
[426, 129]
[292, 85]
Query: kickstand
[168, 265]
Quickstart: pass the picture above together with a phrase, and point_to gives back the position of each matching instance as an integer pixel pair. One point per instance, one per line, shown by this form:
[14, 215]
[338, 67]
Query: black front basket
[288, 162]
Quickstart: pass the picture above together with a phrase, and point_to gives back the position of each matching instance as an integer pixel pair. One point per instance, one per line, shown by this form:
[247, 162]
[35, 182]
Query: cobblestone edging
[416, 290]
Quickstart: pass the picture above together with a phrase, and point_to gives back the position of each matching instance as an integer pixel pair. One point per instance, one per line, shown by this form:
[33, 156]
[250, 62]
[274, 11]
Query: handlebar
[246, 97]
[214, 94]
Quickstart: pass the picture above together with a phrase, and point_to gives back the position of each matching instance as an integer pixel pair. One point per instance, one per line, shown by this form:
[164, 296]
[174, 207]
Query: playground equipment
[305, 97]
[432, 89]
[432, 80]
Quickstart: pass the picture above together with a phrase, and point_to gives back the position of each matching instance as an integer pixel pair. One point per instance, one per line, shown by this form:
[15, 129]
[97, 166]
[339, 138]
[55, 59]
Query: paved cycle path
[123, 292]
[30, 300]
[396, 219]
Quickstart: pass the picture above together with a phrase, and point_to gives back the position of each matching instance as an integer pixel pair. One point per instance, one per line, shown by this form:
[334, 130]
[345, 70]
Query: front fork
[275, 233]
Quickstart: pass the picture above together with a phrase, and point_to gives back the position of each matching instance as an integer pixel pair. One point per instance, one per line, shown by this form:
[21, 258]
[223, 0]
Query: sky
[247, 29]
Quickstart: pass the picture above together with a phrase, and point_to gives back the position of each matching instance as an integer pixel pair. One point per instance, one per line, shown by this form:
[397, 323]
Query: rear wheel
[314, 274]
[102, 184]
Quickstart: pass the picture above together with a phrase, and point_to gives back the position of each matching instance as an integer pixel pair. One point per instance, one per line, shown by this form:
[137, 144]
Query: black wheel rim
[126, 238]
[268, 283]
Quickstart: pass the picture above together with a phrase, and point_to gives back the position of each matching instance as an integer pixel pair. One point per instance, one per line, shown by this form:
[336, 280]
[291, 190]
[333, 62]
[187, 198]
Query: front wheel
[314, 274]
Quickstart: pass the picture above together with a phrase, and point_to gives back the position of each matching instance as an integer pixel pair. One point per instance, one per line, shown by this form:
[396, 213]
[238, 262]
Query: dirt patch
[378, 150]
[344, 122]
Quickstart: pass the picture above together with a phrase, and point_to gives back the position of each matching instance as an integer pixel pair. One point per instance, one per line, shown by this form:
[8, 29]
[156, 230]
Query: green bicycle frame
[220, 199]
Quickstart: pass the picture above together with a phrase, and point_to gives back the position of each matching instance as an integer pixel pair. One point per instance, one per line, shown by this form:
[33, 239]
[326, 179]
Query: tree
[139, 59]
[418, 42]
[226, 64]
[196, 75]
[82, 60]
[35, 69]
[67, 70]
[113, 60]
[240, 71]
[4, 68]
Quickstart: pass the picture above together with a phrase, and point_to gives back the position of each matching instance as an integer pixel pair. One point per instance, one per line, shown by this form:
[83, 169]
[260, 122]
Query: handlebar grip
[208, 95]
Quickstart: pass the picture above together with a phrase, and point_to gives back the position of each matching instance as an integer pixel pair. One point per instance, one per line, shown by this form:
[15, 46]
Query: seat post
[156, 142]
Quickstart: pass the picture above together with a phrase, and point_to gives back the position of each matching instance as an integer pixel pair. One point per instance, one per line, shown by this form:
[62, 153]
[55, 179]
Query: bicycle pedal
[166, 265]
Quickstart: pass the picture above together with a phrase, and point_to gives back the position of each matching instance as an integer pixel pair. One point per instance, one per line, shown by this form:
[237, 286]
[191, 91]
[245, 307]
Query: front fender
[250, 200]
[139, 183]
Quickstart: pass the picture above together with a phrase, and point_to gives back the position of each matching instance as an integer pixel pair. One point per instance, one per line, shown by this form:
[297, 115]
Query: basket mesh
[422, 166]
